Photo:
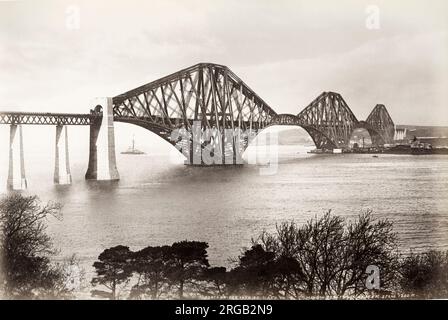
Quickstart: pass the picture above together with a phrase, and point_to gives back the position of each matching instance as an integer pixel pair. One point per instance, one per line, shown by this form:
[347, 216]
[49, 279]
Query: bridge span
[206, 111]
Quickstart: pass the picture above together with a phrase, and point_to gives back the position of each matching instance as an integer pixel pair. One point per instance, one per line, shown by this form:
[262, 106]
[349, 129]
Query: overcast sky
[287, 51]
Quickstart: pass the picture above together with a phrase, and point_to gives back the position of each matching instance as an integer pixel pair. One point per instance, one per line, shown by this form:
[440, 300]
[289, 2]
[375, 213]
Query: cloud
[287, 51]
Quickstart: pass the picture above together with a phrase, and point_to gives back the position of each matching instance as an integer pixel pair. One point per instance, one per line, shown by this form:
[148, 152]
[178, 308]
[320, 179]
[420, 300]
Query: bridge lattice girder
[380, 120]
[375, 136]
[329, 121]
[40, 118]
[318, 137]
[214, 96]
[209, 93]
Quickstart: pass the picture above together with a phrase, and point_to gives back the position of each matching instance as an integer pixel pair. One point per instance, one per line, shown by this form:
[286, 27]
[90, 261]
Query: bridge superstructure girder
[380, 120]
[328, 120]
[212, 95]
[209, 93]
[40, 118]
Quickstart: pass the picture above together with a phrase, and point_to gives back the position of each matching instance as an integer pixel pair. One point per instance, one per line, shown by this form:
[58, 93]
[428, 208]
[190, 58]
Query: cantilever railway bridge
[212, 95]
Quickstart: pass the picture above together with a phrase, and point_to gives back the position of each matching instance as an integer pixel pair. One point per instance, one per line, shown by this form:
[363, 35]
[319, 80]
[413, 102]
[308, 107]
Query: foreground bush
[166, 271]
[425, 275]
[326, 257]
[26, 271]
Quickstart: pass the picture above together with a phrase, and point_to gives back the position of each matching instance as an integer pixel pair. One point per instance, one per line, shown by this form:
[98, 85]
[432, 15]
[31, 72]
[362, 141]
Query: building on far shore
[400, 134]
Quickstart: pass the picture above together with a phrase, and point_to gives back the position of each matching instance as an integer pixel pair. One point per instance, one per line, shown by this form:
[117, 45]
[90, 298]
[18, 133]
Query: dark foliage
[425, 275]
[329, 256]
[151, 265]
[189, 260]
[326, 257]
[112, 269]
[26, 249]
[165, 270]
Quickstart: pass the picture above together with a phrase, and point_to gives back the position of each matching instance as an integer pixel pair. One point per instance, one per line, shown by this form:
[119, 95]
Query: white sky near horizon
[286, 51]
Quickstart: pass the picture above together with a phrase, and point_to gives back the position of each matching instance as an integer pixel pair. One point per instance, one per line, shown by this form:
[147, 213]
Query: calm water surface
[159, 201]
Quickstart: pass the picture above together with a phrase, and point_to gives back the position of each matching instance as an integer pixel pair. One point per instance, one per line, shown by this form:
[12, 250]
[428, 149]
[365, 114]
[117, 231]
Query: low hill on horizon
[425, 131]
[437, 135]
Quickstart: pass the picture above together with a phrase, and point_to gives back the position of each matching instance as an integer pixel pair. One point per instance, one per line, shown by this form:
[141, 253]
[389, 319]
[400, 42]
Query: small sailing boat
[132, 149]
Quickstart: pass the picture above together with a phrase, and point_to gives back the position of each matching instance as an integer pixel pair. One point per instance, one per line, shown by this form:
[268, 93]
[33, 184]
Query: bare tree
[72, 278]
[332, 255]
[26, 248]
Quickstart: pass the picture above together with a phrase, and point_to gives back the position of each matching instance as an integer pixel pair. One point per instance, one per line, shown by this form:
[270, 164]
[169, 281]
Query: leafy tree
[288, 276]
[151, 264]
[327, 256]
[188, 260]
[425, 275]
[262, 273]
[215, 282]
[26, 248]
[253, 275]
[112, 271]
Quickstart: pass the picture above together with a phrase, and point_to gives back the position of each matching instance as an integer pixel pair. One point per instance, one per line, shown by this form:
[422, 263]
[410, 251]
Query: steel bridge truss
[207, 94]
[328, 120]
[208, 106]
[381, 122]
[36, 118]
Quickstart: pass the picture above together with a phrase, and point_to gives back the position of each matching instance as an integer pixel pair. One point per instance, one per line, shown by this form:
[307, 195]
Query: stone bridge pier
[102, 159]
[62, 174]
[16, 170]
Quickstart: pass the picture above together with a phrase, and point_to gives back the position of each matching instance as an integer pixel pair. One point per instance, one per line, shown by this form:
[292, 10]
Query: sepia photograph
[215, 158]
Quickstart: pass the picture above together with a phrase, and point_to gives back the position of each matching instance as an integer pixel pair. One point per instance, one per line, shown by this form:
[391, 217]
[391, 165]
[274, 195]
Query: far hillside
[294, 137]
[437, 136]
[425, 131]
